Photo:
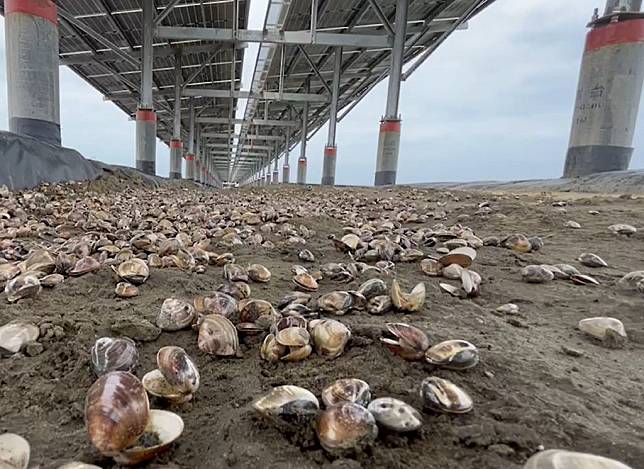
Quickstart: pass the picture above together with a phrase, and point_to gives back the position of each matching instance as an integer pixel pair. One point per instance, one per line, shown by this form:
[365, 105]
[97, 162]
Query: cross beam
[268, 95]
[225, 120]
[274, 37]
[275, 138]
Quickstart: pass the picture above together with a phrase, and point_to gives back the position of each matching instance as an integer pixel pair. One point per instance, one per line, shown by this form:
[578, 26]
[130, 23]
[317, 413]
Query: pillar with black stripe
[31, 38]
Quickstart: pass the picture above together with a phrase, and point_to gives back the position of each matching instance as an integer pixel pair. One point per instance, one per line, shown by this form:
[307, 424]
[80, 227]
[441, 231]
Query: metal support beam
[389, 139]
[248, 137]
[201, 68]
[225, 120]
[314, 68]
[225, 146]
[164, 14]
[264, 95]
[331, 149]
[69, 18]
[382, 17]
[273, 37]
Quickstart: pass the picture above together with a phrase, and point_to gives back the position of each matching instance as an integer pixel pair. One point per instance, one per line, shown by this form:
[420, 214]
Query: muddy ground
[529, 394]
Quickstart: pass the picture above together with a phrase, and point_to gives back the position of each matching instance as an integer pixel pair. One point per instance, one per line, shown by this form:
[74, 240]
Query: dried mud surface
[528, 393]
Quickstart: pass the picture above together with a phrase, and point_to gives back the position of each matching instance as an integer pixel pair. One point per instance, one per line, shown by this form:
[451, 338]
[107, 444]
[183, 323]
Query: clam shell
[630, 281]
[592, 260]
[271, 349]
[431, 267]
[567, 269]
[114, 354]
[453, 354]
[408, 302]
[346, 426]
[235, 273]
[218, 336]
[395, 414]
[78, 465]
[379, 304]
[536, 274]
[471, 282]
[238, 290]
[294, 297]
[297, 354]
[51, 280]
[347, 390]
[562, 459]
[517, 242]
[15, 335]
[14, 451]
[601, 327]
[259, 273]
[410, 342]
[260, 312]
[463, 256]
[176, 315]
[306, 282]
[623, 229]
[306, 256]
[336, 302]
[288, 406]
[372, 288]
[8, 271]
[217, 303]
[126, 290]
[40, 260]
[167, 426]
[85, 266]
[444, 396]
[116, 412]
[134, 271]
[330, 337]
[178, 369]
[293, 337]
[453, 272]
[156, 385]
[23, 286]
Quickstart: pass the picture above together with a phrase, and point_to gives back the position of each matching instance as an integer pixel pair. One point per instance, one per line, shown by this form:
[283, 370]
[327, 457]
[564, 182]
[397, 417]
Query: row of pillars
[390, 124]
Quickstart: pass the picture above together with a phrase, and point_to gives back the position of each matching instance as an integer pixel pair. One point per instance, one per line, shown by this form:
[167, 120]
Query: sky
[494, 102]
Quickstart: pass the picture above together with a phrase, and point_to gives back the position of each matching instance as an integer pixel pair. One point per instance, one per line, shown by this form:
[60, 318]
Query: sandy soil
[528, 392]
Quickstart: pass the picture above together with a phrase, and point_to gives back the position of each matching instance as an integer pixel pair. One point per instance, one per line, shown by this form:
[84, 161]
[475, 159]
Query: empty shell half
[444, 396]
[453, 354]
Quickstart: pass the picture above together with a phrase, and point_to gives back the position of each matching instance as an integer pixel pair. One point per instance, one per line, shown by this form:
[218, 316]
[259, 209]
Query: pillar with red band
[388, 148]
[146, 136]
[328, 168]
[608, 95]
[286, 174]
[31, 38]
[176, 156]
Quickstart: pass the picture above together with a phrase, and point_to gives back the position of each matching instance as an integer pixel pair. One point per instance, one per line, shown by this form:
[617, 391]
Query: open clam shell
[134, 271]
[176, 314]
[409, 342]
[395, 414]
[463, 256]
[346, 427]
[116, 412]
[347, 390]
[15, 335]
[114, 354]
[444, 396]
[271, 349]
[166, 426]
[288, 407]
[453, 354]
[14, 451]
[408, 302]
[562, 459]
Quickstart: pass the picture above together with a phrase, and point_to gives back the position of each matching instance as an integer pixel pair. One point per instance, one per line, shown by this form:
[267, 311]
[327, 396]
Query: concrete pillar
[331, 149]
[176, 147]
[389, 139]
[276, 172]
[146, 119]
[608, 95]
[198, 159]
[286, 170]
[31, 39]
[190, 157]
[301, 162]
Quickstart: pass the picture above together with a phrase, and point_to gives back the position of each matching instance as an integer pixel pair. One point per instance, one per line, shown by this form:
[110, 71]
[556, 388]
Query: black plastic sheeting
[26, 162]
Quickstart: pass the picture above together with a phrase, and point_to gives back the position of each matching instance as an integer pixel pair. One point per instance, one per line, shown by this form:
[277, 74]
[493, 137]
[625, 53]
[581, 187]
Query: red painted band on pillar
[45, 9]
[330, 152]
[301, 162]
[190, 157]
[146, 115]
[390, 126]
[614, 34]
[176, 144]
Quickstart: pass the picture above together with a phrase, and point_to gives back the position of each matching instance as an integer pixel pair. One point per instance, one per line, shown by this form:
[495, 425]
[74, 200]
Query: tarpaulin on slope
[26, 162]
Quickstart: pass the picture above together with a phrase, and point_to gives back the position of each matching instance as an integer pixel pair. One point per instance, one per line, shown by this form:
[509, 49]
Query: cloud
[493, 102]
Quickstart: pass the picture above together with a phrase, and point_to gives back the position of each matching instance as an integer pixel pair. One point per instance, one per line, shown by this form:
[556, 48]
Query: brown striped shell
[114, 354]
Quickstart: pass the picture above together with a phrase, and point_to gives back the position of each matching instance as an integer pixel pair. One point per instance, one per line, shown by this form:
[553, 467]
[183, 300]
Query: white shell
[14, 451]
[395, 414]
[15, 335]
[561, 459]
[599, 327]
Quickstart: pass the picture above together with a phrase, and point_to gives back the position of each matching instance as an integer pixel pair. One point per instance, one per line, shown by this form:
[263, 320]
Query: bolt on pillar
[609, 90]
[146, 118]
[331, 149]
[389, 139]
[31, 38]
